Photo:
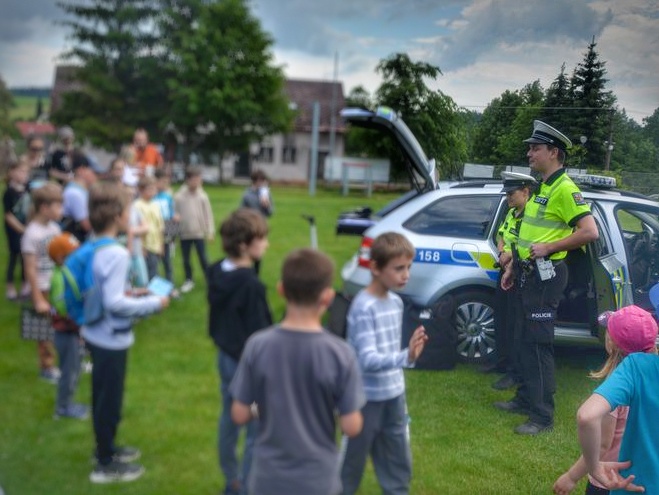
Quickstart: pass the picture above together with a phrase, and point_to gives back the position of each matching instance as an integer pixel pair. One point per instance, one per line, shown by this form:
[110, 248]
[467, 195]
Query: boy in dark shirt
[296, 377]
[238, 308]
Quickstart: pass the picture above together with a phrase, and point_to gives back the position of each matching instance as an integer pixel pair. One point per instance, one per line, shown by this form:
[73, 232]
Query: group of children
[285, 382]
[290, 383]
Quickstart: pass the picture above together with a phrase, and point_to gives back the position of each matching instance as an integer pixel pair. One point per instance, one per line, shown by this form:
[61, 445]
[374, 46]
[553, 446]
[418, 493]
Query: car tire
[474, 322]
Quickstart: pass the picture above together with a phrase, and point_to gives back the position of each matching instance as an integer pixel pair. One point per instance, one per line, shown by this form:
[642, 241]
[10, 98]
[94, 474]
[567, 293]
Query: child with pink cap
[627, 401]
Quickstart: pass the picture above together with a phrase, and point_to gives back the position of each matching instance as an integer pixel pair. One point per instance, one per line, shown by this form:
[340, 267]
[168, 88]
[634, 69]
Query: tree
[495, 124]
[122, 75]
[594, 117]
[6, 104]
[558, 100]
[651, 128]
[39, 109]
[225, 79]
[510, 149]
[432, 116]
[359, 97]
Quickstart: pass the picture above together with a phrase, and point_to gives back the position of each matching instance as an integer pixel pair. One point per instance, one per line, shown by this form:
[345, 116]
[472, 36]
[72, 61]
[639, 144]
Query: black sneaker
[116, 471]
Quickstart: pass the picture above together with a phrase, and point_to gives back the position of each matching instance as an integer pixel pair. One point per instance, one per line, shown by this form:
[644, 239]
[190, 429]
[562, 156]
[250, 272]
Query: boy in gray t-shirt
[297, 378]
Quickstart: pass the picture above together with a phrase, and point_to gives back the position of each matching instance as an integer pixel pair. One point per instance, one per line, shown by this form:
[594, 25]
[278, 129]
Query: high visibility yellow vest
[551, 214]
[509, 229]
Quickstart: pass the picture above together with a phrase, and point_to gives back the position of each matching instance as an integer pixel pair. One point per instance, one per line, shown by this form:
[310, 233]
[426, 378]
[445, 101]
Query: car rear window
[457, 216]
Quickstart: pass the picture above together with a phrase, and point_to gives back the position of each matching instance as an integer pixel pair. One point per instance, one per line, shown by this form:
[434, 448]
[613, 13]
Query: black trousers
[186, 248]
[108, 377]
[506, 331]
[539, 302]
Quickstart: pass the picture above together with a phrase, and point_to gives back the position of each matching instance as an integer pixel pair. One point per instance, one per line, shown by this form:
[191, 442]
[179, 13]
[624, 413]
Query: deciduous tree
[226, 80]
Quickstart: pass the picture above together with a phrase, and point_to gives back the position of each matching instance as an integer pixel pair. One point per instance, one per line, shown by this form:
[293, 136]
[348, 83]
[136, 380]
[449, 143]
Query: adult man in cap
[557, 219]
[518, 189]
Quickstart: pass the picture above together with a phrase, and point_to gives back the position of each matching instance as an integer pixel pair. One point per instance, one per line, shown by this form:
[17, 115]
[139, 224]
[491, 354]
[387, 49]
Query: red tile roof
[303, 94]
[35, 128]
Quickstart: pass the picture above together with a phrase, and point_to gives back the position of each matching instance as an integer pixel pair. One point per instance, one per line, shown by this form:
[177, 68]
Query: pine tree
[593, 119]
[558, 97]
[121, 71]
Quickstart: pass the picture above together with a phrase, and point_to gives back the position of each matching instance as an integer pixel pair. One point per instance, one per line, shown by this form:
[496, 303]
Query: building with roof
[283, 157]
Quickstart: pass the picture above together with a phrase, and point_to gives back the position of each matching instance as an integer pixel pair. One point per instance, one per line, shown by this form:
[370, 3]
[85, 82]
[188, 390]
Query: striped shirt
[374, 331]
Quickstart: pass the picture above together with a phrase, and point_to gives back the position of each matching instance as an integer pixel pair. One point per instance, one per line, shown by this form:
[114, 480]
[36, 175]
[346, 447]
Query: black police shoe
[505, 382]
[491, 368]
[531, 428]
[511, 406]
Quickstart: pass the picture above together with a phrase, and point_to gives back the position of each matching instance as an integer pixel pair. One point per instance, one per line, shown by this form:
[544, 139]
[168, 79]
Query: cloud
[18, 16]
[486, 25]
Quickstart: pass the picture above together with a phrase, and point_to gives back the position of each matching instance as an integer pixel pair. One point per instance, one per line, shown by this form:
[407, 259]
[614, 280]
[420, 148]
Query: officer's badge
[578, 199]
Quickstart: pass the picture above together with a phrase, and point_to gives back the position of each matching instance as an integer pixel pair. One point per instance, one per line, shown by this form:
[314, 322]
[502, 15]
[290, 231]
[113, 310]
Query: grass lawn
[461, 444]
[25, 107]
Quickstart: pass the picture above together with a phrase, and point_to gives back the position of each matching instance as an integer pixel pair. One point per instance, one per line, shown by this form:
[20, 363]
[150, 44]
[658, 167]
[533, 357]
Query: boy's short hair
[388, 246]
[258, 175]
[49, 193]
[191, 172]
[242, 227]
[107, 201]
[115, 162]
[305, 274]
[161, 173]
[144, 182]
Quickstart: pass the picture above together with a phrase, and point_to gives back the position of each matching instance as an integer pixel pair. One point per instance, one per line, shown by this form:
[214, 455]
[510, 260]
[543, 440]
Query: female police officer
[556, 220]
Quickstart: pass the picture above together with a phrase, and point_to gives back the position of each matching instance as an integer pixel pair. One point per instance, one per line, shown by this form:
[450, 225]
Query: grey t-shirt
[299, 380]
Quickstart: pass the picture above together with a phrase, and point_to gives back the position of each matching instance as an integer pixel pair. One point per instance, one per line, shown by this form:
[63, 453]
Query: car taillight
[364, 258]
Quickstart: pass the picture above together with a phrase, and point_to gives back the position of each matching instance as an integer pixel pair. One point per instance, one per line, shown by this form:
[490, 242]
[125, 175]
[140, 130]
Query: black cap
[546, 134]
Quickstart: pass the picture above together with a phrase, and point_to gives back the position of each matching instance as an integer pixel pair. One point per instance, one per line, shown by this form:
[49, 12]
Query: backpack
[82, 297]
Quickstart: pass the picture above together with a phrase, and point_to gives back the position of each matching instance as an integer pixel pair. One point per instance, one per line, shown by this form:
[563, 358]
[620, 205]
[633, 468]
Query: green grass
[460, 443]
[25, 107]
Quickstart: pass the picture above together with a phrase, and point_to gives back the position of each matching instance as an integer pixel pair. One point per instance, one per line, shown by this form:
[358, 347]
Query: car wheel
[474, 321]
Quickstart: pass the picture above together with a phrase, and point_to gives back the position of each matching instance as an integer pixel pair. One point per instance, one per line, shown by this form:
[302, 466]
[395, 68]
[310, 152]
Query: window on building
[289, 151]
[266, 154]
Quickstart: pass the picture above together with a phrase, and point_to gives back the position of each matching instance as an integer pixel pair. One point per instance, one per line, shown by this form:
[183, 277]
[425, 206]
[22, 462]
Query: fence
[641, 182]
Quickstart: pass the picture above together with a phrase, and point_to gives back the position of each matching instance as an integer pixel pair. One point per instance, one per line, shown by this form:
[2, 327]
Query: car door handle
[617, 280]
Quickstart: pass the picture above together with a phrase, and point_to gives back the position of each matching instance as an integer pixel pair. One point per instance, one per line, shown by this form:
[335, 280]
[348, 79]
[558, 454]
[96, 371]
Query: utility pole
[609, 143]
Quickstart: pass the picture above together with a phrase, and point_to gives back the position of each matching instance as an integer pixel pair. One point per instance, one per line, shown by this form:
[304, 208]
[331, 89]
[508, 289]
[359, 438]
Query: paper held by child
[160, 286]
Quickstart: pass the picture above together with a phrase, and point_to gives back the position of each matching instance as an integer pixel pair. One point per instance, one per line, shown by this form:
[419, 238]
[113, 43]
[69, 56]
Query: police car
[453, 226]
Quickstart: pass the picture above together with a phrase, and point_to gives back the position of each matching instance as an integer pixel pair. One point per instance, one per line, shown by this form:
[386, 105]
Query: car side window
[458, 216]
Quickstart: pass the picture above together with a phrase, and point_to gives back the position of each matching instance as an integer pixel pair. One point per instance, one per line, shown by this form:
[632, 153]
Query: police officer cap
[546, 134]
[513, 181]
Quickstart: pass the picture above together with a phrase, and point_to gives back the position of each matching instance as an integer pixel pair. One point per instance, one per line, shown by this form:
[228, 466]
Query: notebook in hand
[160, 286]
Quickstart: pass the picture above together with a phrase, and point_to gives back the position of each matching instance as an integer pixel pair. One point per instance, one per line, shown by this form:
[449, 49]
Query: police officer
[556, 220]
[517, 188]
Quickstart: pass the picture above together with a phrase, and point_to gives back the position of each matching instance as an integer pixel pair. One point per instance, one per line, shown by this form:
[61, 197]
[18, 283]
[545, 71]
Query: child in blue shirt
[374, 331]
[165, 200]
[633, 384]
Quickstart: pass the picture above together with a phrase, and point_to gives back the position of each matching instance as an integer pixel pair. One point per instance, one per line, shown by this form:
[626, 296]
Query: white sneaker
[187, 286]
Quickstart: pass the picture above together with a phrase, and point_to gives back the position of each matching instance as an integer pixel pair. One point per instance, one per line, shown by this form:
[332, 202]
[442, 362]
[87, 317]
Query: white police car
[453, 227]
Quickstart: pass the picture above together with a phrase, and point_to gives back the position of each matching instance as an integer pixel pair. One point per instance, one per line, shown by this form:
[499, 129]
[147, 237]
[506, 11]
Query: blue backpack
[82, 297]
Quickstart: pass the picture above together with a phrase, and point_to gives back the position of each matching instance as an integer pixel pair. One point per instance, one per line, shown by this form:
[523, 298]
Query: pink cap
[632, 329]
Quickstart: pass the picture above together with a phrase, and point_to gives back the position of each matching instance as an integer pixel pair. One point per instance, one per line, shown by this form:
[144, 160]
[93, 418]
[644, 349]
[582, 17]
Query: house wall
[281, 170]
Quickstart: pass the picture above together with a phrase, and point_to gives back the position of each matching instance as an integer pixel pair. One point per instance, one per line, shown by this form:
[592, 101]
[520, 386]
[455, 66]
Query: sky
[482, 47]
